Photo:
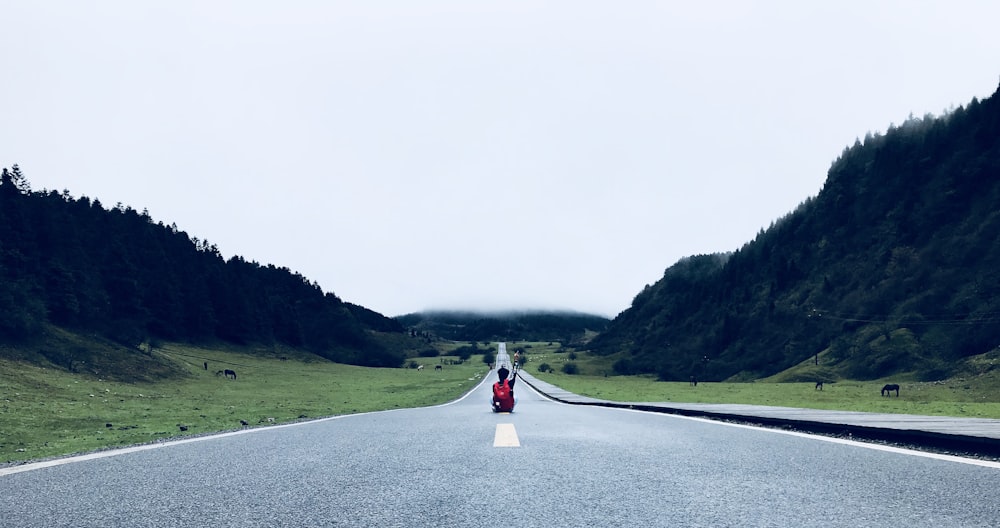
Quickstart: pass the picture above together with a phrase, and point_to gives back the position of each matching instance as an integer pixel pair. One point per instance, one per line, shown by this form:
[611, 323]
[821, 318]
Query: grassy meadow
[47, 412]
[976, 395]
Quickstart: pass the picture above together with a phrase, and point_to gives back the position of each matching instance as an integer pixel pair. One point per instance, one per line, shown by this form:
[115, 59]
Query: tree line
[569, 328]
[72, 263]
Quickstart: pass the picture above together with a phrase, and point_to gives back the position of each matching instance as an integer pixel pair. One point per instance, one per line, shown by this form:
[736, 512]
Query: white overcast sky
[410, 155]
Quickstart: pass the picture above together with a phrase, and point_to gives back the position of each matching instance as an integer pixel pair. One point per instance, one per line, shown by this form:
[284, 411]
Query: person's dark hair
[502, 373]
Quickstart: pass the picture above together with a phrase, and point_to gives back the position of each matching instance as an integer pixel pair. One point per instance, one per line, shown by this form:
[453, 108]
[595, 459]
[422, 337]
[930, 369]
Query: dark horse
[887, 390]
[231, 373]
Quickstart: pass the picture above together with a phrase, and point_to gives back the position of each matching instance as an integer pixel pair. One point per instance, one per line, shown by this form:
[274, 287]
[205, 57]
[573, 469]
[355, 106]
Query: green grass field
[949, 398]
[975, 395]
[46, 412]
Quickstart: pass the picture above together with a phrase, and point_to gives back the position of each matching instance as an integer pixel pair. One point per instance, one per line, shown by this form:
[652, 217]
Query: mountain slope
[70, 263]
[890, 268]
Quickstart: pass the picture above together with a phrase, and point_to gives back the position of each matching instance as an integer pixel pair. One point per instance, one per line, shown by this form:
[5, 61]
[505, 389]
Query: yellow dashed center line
[506, 436]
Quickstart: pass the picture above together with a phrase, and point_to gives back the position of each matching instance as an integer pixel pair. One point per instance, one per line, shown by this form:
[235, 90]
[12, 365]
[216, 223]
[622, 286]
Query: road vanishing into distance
[545, 465]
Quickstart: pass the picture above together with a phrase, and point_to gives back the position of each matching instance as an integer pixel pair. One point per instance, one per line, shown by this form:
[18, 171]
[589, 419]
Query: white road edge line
[145, 447]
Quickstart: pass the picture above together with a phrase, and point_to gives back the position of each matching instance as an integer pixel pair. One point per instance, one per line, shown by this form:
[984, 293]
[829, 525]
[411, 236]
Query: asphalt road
[565, 466]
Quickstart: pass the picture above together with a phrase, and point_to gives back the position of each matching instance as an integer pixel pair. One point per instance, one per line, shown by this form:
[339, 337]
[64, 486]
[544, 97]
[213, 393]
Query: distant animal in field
[694, 381]
[437, 367]
[819, 385]
[206, 365]
[230, 373]
[218, 372]
[887, 390]
[420, 367]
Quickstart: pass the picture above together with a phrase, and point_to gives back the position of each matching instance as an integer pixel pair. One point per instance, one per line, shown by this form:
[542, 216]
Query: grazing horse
[230, 373]
[437, 367]
[887, 390]
[819, 385]
[694, 381]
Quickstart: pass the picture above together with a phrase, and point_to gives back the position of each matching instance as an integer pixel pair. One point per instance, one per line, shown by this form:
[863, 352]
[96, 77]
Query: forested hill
[569, 328]
[892, 268]
[70, 263]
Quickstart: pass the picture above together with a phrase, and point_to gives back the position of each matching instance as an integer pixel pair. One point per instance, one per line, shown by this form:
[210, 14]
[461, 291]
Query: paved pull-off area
[969, 435]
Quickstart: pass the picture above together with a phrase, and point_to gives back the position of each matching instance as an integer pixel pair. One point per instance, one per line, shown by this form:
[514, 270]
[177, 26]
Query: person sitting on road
[503, 391]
